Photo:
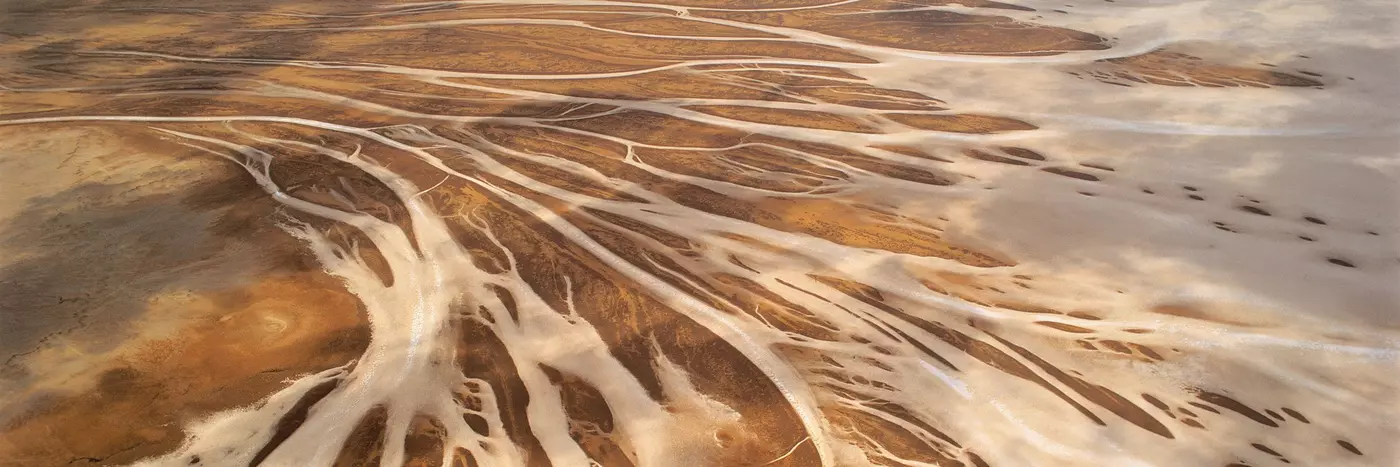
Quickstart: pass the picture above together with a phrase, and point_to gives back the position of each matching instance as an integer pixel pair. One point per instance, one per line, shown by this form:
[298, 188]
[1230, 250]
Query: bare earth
[699, 232]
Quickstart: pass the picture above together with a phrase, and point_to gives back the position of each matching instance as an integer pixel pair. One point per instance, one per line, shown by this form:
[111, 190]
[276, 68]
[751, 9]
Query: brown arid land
[698, 233]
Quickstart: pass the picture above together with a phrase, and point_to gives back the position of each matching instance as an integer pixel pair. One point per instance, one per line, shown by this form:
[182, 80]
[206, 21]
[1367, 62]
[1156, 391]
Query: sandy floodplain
[699, 233]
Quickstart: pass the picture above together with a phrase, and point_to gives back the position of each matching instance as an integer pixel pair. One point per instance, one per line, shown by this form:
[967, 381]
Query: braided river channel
[663, 233]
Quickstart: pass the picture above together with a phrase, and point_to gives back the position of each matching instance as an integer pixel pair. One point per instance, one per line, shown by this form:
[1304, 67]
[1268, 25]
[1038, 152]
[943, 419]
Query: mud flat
[699, 232]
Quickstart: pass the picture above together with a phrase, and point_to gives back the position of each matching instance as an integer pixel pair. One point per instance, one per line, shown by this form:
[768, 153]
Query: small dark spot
[1196, 197]
[1150, 192]
[1309, 73]
[1295, 414]
[1314, 220]
[1255, 210]
[1097, 166]
[1266, 449]
[989, 157]
[1061, 11]
[1085, 193]
[1268, 64]
[1350, 78]
[1155, 402]
[1348, 446]
[1307, 238]
[1304, 56]
[1341, 262]
[1022, 153]
[1188, 188]
[1373, 233]
[1075, 174]
[194, 460]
